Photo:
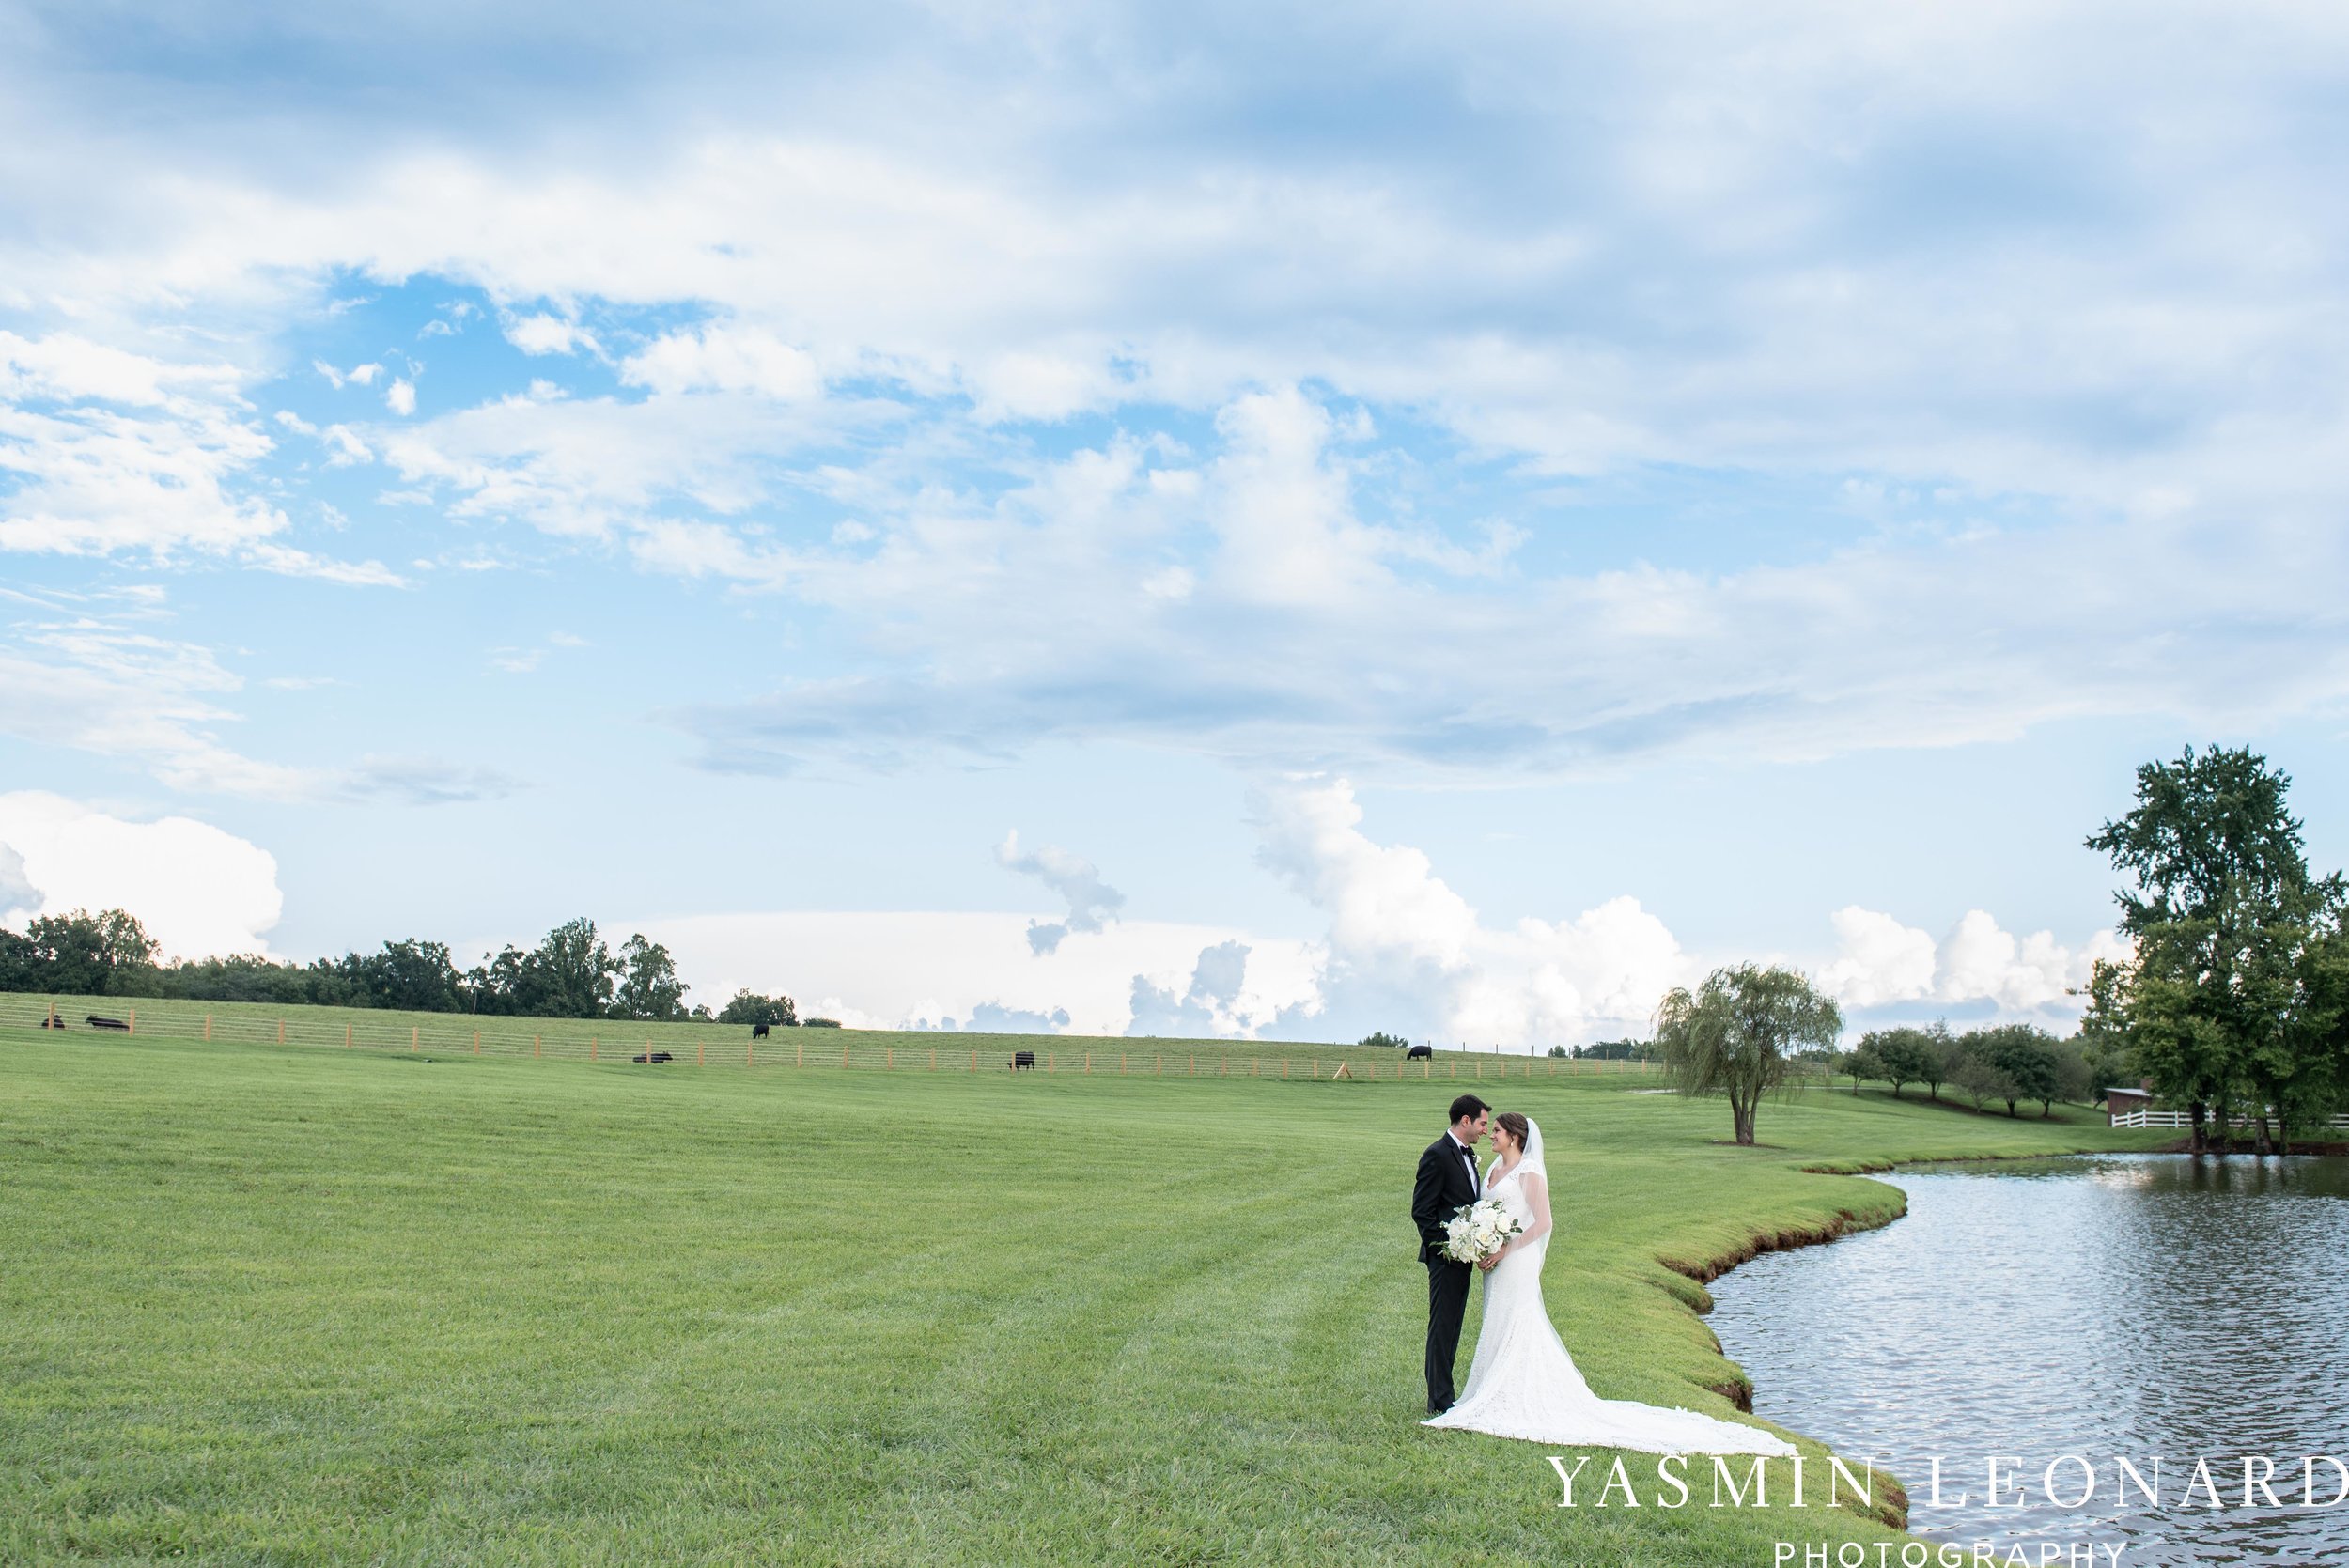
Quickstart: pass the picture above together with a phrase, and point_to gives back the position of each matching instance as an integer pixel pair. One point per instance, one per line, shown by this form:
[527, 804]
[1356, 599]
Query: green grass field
[265, 1305]
[731, 1046]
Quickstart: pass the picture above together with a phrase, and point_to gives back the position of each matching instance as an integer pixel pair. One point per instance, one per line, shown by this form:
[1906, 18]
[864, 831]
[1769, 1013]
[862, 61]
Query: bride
[1521, 1382]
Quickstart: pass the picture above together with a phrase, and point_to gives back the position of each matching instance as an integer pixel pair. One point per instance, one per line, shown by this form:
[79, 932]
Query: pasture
[296, 1305]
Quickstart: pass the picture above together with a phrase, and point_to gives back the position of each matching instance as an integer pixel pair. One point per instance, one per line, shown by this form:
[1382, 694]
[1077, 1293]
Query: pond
[2109, 1307]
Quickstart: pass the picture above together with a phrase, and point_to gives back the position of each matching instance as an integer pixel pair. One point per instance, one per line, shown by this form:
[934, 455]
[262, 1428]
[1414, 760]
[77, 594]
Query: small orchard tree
[1739, 1035]
[2024, 1058]
[1860, 1065]
[1978, 1078]
[1905, 1054]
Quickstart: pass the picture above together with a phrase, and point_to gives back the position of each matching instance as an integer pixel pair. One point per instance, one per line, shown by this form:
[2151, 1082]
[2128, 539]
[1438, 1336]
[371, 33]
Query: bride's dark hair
[1514, 1123]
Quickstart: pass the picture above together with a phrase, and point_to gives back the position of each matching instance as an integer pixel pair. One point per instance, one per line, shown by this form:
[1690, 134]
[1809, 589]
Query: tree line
[2012, 1063]
[571, 973]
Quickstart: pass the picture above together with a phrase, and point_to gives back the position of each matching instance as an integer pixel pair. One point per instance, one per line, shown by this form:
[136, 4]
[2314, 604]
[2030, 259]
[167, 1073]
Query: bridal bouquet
[1478, 1230]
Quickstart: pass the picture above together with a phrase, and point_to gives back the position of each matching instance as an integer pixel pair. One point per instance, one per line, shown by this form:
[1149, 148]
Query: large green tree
[2228, 924]
[1739, 1034]
[648, 986]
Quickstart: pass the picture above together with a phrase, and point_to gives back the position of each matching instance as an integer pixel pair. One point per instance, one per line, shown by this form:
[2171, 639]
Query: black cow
[51, 1020]
[1022, 1059]
[96, 1022]
[1416, 1052]
[758, 1032]
[656, 1056]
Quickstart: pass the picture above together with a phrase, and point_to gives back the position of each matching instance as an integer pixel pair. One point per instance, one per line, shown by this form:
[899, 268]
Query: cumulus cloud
[1092, 902]
[1881, 963]
[18, 896]
[1405, 953]
[198, 890]
[1209, 1006]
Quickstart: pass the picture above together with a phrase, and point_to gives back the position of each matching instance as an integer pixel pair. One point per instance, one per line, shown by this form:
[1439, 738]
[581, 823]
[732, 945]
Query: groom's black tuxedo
[1443, 1185]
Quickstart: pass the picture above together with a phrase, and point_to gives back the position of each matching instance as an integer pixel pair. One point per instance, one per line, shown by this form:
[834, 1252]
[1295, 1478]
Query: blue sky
[1444, 522]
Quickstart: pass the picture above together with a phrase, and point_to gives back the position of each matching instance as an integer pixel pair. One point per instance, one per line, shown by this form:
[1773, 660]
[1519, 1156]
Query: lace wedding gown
[1523, 1384]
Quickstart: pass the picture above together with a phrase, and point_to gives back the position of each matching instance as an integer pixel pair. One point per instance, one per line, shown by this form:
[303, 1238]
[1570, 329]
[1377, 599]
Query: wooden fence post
[1193, 1070]
[889, 1061]
[591, 1047]
[974, 1059]
[534, 1044]
[1088, 1061]
[1161, 1071]
[1316, 1067]
[701, 1053]
[415, 1036]
[133, 1028]
[346, 1037]
[1121, 1064]
[476, 1042]
[281, 1031]
[1047, 1062]
[844, 1053]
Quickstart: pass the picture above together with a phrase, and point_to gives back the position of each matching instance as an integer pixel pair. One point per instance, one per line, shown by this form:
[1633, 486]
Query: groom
[1447, 1180]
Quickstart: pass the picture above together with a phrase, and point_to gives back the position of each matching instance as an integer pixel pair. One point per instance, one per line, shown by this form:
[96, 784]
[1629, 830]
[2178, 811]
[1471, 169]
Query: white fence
[2180, 1119]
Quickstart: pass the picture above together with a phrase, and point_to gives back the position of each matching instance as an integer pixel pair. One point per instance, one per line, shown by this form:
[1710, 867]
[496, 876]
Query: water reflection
[2109, 1307]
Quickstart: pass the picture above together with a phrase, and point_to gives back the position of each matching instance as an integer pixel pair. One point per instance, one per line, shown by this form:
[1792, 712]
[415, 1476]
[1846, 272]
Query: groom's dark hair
[1465, 1107]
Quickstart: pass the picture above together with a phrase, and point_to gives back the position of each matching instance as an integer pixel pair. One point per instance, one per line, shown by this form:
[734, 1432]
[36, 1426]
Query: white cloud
[401, 396]
[112, 691]
[358, 375]
[288, 562]
[1879, 959]
[1208, 1006]
[1882, 963]
[197, 889]
[113, 451]
[1092, 902]
[548, 334]
[725, 359]
[1406, 954]
[18, 896]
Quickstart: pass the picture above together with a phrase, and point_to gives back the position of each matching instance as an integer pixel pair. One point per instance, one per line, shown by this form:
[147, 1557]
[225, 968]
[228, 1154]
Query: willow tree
[1737, 1035]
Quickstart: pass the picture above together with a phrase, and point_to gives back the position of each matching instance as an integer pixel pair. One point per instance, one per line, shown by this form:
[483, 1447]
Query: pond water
[2110, 1306]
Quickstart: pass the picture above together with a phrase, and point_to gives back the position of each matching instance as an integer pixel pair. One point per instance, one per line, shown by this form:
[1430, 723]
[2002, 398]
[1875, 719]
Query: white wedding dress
[1523, 1384]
